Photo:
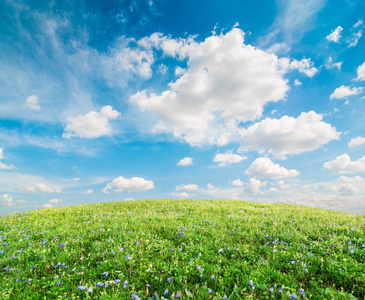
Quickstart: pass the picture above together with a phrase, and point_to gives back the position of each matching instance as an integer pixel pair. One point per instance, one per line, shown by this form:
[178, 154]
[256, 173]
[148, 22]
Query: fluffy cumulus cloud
[187, 187]
[237, 182]
[55, 201]
[6, 200]
[253, 186]
[361, 72]
[89, 191]
[32, 103]
[47, 205]
[228, 158]
[344, 165]
[263, 167]
[288, 135]
[134, 184]
[40, 188]
[2, 165]
[183, 195]
[345, 91]
[187, 161]
[226, 82]
[335, 35]
[356, 142]
[91, 125]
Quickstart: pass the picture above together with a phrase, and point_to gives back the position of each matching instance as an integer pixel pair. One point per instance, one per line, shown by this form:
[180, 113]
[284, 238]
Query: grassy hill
[165, 249]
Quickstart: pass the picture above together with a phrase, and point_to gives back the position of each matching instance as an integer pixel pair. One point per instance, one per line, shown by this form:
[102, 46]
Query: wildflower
[62, 245]
[125, 283]
[138, 242]
[271, 290]
[14, 257]
[280, 291]
[73, 270]
[169, 280]
[116, 281]
[134, 296]
[81, 287]
[224, 297]
[301, 292]
[90, 290]
[178, 295]
[34, 267]
[293, 296]
[166, 292]
[306, 271]
[212, 277]
[2, 252]
[121, 248]
[210, 291]
[250, 283]
[104, 274]
[99, 284]
[220, 250]
[58, 283]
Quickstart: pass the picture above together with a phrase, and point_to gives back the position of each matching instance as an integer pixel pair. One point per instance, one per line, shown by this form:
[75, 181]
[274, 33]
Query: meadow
[182, 249]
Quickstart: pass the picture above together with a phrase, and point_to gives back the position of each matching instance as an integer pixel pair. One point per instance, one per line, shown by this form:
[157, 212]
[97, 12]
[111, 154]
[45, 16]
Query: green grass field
[170, 249]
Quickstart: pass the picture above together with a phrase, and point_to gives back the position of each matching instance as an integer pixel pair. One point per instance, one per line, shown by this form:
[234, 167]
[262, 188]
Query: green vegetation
[167, 249]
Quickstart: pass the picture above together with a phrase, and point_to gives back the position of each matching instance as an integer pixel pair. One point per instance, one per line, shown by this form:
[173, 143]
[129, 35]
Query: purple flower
[14, 257]
[125, 283]
[250, 283]
[116, 281]
[166, 292]
[280, 291]
[138, 242]
[134, 296]
[210, 291]
[293, 296]
[178, 295]
[271, 290]
[224, 297]
[90, 290]
[169, 280]
[301, 292]
[104, 274]
[212, 277]
[99, 284]
[58, 283]
[81, 287]
[62, 245]
[34, 267]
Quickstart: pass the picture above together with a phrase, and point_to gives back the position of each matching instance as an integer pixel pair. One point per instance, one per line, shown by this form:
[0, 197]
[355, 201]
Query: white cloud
[237, 182]
[55, 201]
[89, 191]
[47, 205]
[32, 103]
[225, 82]
[91, 125]
[210, 186]
[187, 187]
[358, 23]
[345, 91]
[297, 82]
[345, 179]
[263, 167]
[41, 188]
[361, 72]
[253, 186]
[228, 158]
[129, 199]
[343, 165]
[346, 189]
[76, 179]
[282, 185]
[355, 38]
[21, 201]
[134, 184]
[294, 19]
[187, 161]
[2, 165]
[183, 195]
[7, 200]
[335, 35]
[356, 142]
[288, 135]
[305, 66]
[331, 65]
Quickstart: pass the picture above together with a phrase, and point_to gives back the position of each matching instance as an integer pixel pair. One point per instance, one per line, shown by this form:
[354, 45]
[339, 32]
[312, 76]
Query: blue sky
[114, 100]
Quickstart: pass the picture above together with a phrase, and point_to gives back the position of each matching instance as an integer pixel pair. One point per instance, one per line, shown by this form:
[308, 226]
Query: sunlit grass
[165, 249]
